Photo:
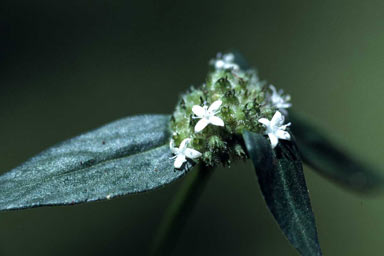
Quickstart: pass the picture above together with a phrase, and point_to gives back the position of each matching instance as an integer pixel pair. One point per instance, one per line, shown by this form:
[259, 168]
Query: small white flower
[278, 100]
[183, 152]
[275, 128]
[225, 61]
[207, 115]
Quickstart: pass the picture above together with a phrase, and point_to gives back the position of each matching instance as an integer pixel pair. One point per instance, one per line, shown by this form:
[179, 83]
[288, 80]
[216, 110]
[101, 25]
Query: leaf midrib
[47, 178]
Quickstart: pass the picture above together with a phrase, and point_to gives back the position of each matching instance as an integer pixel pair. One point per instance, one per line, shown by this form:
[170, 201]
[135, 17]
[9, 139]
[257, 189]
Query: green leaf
[127, 156]
[281, 179]
[330, 161]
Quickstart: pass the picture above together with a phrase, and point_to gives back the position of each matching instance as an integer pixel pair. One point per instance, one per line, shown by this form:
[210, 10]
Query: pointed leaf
[127, 156]
[332, 162]
[282, 183]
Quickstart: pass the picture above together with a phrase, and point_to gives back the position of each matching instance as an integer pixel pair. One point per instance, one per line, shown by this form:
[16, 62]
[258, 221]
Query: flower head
[241, 98]
[182, 152]
[225, 61]
[207, 115]
[275, 129]
[278, 100]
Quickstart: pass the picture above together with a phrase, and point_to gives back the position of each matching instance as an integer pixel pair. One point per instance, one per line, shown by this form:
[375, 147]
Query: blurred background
[70, 66]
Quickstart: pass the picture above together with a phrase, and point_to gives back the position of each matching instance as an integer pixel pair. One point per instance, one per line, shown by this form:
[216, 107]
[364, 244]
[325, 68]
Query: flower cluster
[208, 121]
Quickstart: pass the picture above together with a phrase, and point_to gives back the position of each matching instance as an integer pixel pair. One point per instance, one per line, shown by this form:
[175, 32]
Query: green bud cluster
[244, 103]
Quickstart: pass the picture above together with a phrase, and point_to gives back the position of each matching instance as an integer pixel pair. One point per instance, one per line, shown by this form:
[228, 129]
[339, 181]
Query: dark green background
[70, 66]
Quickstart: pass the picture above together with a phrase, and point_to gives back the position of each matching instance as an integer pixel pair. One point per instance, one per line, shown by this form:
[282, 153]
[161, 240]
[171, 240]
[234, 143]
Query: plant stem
[179, 211]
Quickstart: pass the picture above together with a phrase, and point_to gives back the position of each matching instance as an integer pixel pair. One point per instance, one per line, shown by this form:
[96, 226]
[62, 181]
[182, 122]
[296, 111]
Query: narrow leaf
[332, 162]
[127, 156]
[282, 183]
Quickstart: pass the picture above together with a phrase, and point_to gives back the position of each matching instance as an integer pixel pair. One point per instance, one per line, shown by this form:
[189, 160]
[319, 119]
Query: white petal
[264, 121]
[273, 88]
[219, 64]
[198, 110]
[184, 144]
[216, 121]
[284, 105]
[277, 119]
[283, 127]
[283, 135]
[274, 140]
[180, 159]
[201, 125]
[191, 153]
[215, 106]
[229, 57]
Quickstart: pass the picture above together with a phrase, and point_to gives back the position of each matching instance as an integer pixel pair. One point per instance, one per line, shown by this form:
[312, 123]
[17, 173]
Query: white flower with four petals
[182, 152]
[278, 100]
[225, 61]
[207, 115]
[275, 129]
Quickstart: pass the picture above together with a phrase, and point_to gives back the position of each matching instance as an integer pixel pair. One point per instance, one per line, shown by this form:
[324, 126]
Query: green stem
[179, 211]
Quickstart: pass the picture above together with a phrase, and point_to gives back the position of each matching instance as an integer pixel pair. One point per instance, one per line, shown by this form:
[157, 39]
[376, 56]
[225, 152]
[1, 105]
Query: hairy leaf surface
[281, 179]
[127, 156]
